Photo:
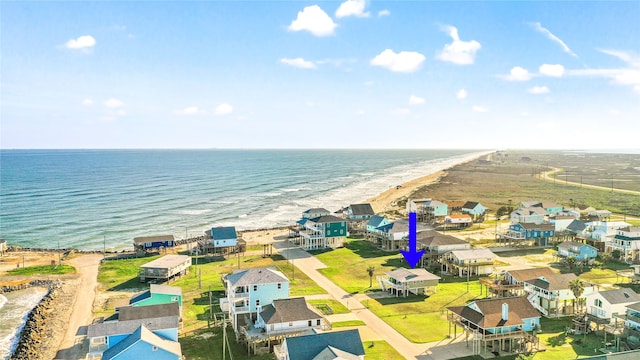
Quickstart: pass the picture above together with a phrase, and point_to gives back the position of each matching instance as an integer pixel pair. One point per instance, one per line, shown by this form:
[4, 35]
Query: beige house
[472, 261]
[402, 282]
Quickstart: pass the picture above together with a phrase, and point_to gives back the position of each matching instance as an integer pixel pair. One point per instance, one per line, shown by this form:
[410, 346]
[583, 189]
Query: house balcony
[279, 353]
[497, 285]
[98, 348]
[633, 318]
[311, 234]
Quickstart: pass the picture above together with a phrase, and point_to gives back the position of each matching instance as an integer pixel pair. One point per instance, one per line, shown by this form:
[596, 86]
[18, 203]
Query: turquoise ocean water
[80, 197]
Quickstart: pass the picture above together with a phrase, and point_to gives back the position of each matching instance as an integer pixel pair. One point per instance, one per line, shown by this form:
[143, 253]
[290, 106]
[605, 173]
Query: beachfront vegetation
[43, 270]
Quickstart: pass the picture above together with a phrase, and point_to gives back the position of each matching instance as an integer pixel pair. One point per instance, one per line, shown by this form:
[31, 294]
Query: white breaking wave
[195, 212]
[3, 300]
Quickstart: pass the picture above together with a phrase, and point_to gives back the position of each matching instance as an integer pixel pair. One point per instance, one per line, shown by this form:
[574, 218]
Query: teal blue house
[375, 222]
[144, 344]
[507, 320]
[577, 250]
[158, 294]
[225, 236]
[322, 232]
[110, 335]
[435, 208]
[475, 209]
[539, 233]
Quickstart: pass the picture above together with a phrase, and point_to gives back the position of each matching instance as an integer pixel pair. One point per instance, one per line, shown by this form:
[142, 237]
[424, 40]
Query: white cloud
[546, 125]
[299, 63]
[518, 74]
[87, 102]
[190, 110]
[352, 8]
[553, 38]
[404, 61]
[556, 70]
[223, 109]
[113, 103]
[458, 52]
[384, 12]
[314, 20]
[461, 94]
[629, 76]
[415, 100]
[479, 109]
[630, 59]
[537, 90]
[85, 41]
[401, 111]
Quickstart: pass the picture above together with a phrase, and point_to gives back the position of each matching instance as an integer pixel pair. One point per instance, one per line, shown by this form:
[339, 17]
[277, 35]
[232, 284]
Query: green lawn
[347, 323]
[123, 274]
[347, 267]
[409, 315]
[335, 305]
[380, 350]
[44, 270]
[207, 344]
[558, 345]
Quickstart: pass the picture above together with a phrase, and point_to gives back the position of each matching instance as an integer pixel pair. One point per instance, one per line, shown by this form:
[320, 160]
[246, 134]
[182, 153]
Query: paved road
[547, 176]
[438, 350]
[81, 314]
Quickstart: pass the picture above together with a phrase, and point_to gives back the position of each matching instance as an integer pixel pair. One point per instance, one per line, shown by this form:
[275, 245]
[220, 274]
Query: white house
[474, 261]
[286, 316]
[551, 295]
[627, 241]
[402, 282]
[535, 215]
[603, 305]
[249, 290]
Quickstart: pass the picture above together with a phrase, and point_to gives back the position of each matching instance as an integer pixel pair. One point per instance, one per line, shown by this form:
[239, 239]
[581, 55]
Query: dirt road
[547, 176]
[81, 315]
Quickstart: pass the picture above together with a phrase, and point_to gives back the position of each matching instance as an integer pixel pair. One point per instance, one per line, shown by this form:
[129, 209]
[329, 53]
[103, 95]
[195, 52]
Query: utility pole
[468, 272]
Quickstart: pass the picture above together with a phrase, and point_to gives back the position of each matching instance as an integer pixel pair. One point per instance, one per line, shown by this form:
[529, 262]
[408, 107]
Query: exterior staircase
[533, 299]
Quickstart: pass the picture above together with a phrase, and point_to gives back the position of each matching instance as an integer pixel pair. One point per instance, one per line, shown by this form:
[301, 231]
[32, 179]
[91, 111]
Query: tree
[570, 261]
[577, 288]
[370, 271]
[616, 254]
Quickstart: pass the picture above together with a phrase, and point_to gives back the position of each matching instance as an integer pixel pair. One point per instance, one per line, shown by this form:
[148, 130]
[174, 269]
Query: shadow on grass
[133, 283]
[558, 340]
[523, 252]
[401, 300]
[365, 249]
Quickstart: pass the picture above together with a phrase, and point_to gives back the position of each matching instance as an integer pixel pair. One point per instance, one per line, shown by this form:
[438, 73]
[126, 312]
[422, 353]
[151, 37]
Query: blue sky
[299, 74]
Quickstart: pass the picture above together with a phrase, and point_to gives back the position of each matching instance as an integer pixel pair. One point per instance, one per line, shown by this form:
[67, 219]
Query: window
[255, 287]
[154, 348]
[174, 298]
[598, 302]
[310, 322]
[258, 302]
[279, 286]
[290, 324]
[318, 322]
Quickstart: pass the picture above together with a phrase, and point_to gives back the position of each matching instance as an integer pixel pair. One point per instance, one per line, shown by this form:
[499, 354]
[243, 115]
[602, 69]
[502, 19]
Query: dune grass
[43, 270]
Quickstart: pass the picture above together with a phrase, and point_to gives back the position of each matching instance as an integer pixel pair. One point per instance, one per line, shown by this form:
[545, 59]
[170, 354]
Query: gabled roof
[253, 276]
[433, 203]
[490, 314]
[576, 225]
[361, 209]
[317, 210]
[473, 254]
[223, 233]
[145, 335]
[528, 211]
[620, 296]
[129, 326]
[309, 346]
[549, 204]
[569, 244]
[530, 203]
[153, 238]
[470, 205]
[151, 311]
[432, 238]
[331, 353]
[302, 221]
[287, 310]
[553, 282]
[417, 274]
[635, 306]
[534, 226]
[375, 220]
[327, 219]
[528, 274]
[165, 289]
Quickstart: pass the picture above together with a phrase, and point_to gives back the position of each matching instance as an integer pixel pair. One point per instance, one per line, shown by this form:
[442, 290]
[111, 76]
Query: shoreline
[385, 202]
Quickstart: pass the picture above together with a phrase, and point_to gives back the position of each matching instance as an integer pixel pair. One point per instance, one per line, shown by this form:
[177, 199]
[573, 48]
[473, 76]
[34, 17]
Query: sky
[320, 74]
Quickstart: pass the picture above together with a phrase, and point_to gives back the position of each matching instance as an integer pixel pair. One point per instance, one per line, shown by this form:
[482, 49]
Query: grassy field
[495, 184]
[122, 275]
[207, 344]
[347, 267]
[409, 315]
[347, 323]
[43, 270]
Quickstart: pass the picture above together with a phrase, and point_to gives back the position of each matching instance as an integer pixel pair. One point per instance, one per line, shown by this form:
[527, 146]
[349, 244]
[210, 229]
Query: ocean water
[14, 308]
[80, 198]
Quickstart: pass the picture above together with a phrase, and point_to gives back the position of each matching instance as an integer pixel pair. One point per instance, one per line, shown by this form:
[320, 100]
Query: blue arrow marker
[412, 256]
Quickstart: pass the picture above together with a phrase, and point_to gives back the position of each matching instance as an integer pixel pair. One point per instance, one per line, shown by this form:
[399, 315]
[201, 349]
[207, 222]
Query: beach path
[81, 314]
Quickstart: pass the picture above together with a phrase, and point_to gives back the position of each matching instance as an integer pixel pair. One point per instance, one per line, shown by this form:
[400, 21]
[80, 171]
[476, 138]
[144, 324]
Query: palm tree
[577, 288]
[370, 271]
